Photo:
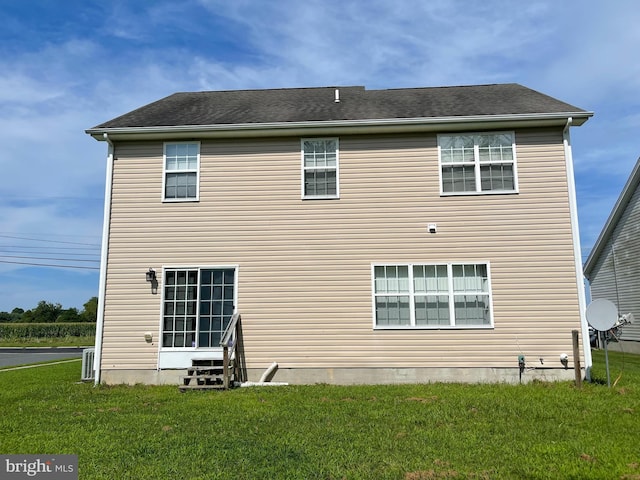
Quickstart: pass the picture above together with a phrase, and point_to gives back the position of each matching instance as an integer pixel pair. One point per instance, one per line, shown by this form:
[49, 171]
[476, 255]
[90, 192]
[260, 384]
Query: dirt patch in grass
[435, 474]
[430, 399]
[587, 458]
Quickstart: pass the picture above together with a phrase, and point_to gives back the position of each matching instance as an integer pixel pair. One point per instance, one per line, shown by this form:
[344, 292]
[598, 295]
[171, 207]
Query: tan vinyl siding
[304, 274]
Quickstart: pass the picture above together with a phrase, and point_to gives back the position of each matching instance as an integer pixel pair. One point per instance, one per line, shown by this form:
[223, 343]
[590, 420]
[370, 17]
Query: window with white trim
[181, 170]
[197, 306]
[320, 168]
[432, 296]
[478, 163]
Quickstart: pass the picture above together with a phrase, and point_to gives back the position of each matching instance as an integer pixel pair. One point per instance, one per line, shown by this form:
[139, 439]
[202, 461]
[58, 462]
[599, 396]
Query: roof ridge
[448, 87]
[361, 87]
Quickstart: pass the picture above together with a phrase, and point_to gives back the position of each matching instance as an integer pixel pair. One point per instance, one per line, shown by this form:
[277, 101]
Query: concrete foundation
[358, 376]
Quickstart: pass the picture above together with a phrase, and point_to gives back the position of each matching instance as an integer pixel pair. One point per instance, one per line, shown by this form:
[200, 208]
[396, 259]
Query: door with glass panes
[197, 306]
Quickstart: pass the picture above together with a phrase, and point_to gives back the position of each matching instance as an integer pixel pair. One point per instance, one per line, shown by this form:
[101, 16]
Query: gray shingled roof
[356, 103]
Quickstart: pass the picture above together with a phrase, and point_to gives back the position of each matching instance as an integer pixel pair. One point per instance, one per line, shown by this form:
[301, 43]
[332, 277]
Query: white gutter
[103, 258]
[577, 251]
[359, 126]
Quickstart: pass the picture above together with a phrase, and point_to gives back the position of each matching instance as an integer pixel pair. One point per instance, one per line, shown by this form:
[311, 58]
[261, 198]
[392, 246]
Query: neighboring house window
[320, 168]
[197, 306]
[478, 163]
[432, 296]
[181, 165]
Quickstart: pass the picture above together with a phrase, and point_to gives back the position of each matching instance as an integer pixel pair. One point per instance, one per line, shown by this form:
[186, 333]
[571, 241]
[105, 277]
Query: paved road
[22, 356]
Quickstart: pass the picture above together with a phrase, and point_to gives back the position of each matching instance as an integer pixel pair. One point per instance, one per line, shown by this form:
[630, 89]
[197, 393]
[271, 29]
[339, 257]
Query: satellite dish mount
[602, 315]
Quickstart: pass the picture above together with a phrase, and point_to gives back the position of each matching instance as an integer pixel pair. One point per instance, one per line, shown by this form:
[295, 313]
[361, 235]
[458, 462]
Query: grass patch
[624, 368]
[410, 432]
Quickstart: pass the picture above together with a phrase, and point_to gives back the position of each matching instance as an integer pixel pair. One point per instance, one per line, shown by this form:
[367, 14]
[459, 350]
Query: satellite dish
[602, 314]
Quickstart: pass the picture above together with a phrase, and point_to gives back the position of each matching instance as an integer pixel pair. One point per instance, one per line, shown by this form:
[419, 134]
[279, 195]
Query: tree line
[47, 312]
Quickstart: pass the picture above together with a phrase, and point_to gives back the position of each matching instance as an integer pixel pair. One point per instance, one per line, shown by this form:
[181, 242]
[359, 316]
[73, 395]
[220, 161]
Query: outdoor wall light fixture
[151, 275]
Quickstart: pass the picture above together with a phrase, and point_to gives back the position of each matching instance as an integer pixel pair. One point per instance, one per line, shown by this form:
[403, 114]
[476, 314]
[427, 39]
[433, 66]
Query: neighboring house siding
[304, 273]
[618, 280]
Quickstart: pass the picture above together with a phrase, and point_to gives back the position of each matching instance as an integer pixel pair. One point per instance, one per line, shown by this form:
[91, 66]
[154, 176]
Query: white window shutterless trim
[432, 296]
[320, 168]
[477, 163]
[181, 172]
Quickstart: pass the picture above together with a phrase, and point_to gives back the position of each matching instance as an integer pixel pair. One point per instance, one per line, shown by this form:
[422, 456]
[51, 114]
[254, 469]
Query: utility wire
[48, 241]
[51, 258]
[48, 234]
[49, 252]
[52, 197]
[50, 265]
[55, 247]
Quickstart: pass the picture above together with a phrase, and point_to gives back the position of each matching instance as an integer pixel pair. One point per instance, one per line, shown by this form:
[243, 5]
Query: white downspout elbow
[269, 373]
[265, 379]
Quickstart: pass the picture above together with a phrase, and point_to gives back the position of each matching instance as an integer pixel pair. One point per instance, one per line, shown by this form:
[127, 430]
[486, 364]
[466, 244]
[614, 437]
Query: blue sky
[66, 66]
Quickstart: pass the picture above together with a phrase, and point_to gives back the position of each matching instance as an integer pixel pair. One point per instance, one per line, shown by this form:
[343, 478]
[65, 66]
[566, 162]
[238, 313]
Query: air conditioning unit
[88, 355]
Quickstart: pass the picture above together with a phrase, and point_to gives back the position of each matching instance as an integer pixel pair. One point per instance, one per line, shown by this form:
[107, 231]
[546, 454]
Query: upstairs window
[432, 296]
[320, 168]
[181, 168]
[478, 163]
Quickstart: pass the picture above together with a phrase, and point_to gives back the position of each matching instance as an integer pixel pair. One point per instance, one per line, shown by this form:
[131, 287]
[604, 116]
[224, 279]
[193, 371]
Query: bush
[11, 331]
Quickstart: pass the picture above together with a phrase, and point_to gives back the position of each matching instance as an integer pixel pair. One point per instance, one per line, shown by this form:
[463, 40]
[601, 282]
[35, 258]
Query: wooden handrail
[228, 333]
[229, 340]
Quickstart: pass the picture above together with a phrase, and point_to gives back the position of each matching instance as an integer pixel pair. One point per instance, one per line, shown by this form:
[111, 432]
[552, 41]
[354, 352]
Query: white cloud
[595, 59]
[594, 213]
[386, 44]
[631, 121]
[22, 90]
[606, 160]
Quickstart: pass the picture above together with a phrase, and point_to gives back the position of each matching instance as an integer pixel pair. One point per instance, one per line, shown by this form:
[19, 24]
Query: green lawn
[409, 432]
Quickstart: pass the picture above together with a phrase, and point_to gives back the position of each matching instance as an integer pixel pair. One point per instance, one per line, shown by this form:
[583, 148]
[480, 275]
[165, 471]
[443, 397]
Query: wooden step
[205, 374]
[204, 371]
[200, 379]
[202, 363]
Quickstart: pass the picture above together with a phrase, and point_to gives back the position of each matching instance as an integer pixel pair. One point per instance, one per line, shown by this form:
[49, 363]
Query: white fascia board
[420, 124]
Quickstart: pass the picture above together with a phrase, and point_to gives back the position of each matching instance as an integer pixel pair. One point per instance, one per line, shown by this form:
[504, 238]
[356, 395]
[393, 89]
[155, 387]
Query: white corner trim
[104, 255]
[577, 251]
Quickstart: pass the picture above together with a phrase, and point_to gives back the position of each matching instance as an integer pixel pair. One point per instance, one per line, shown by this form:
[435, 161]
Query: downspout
[103, 259]
[577, 251]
